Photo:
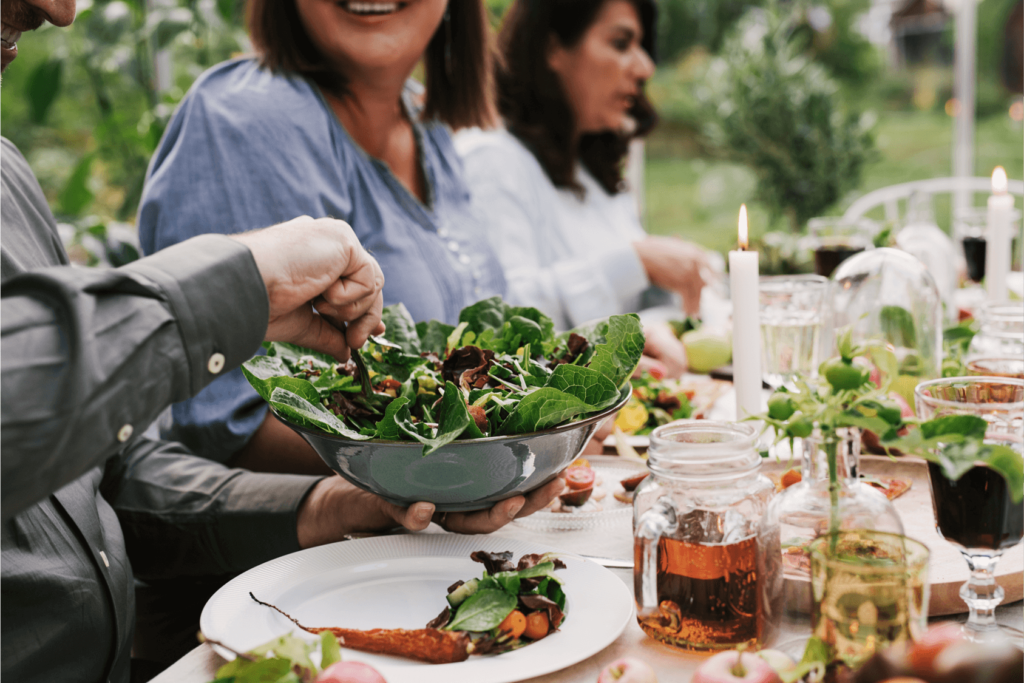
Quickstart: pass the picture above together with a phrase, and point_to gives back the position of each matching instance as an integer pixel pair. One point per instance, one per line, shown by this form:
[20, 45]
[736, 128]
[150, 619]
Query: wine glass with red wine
[837, 239]
[976, 513]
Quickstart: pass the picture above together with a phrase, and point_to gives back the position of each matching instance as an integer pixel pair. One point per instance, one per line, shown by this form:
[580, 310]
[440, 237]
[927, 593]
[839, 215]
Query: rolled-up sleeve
[91, 356]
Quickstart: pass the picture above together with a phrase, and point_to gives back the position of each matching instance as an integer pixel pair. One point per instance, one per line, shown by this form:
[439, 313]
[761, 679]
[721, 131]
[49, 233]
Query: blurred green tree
[766, 104]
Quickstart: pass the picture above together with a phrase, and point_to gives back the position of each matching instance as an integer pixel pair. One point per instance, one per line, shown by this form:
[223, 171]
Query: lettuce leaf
[398, 393]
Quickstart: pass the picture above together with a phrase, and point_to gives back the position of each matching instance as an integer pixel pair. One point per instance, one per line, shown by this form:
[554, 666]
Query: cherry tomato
[791, 477]
[843, 375]
[537, 625]
[514, 624]
[579, 478]
[781, 406]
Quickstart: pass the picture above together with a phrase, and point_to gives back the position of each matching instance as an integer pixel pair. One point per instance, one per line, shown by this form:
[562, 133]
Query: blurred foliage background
[784, 104]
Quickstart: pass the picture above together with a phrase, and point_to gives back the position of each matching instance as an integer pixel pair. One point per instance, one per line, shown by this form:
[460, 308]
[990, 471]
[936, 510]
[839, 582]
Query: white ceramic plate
[401, 582]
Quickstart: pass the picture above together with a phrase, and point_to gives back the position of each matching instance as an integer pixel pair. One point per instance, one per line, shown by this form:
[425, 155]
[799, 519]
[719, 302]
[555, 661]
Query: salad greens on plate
[501, 371]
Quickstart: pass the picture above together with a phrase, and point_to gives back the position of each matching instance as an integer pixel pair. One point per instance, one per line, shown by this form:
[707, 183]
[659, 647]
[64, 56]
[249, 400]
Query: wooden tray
[947, 568]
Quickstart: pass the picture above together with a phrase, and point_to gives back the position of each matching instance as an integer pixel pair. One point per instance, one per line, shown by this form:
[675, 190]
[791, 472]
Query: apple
[926, 648]
[905, 409]
[627, 670]
[350, 672]
[735, 667]
[706, 351]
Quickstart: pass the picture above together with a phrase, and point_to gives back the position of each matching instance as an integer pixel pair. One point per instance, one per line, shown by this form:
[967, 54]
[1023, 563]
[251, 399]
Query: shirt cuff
[218, 298]
[260, 520]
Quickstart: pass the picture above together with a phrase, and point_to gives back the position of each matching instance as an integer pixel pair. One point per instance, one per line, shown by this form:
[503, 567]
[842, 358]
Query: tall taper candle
[746, 324]
[997, 237]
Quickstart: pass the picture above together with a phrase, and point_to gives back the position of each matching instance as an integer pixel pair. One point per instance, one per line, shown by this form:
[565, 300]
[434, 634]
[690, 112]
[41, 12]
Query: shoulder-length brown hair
[458, 59]
[534, 104]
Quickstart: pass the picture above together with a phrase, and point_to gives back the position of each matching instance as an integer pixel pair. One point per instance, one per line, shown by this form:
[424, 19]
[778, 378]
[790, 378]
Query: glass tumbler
[791, 311]
[870, 591]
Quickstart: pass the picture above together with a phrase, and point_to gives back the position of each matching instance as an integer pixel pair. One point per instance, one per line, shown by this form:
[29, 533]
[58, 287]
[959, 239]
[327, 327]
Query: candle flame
[999, 183]
[744, 242]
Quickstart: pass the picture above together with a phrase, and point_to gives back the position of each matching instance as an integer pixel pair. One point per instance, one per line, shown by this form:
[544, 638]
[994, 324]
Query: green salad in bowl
[461, 416]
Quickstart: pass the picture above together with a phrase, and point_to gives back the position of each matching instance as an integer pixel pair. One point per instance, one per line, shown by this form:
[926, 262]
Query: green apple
[706, 351]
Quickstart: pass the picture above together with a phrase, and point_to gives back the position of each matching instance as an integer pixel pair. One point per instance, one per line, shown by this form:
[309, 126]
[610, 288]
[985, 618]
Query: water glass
[870, 590]
[792, 309]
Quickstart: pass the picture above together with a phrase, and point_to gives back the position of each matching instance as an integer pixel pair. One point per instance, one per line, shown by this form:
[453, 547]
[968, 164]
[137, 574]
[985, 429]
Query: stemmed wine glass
[976, 512]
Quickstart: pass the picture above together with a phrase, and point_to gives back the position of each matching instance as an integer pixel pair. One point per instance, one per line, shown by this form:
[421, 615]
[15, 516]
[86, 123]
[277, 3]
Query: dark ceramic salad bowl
[469, 474]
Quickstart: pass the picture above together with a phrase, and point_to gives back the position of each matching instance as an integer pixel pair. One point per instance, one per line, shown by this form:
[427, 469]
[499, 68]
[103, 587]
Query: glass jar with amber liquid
[698, 568]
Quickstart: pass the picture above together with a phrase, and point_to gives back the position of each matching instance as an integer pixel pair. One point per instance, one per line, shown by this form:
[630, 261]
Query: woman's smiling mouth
[371, 8]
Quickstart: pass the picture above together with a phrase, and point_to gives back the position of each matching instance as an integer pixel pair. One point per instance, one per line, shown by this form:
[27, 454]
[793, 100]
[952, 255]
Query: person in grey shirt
[88, 358]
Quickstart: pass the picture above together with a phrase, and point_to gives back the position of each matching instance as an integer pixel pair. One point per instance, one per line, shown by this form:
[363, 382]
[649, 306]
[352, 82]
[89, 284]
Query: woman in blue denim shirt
[323, 122]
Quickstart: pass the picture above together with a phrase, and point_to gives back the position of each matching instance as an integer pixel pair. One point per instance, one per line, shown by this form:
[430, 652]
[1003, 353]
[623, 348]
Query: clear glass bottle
[696, 527]
[1002, 331]
[886, 294]
[803, 511]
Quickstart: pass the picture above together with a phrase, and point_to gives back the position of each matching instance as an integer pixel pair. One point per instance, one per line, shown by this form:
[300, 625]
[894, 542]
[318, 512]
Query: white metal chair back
[889, 197]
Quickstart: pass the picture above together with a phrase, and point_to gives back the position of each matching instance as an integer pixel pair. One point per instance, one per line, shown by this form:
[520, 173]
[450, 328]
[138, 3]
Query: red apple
[735, 667]
[350, 672]
[627, 670]
[905, 409]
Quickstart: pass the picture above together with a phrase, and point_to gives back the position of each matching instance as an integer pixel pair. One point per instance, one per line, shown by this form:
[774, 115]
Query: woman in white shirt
[570, 90]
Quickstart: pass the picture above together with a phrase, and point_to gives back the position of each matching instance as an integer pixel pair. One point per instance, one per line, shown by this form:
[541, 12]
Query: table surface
[612, 541]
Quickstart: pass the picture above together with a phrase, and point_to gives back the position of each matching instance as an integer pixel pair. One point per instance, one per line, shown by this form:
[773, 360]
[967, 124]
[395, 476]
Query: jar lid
[704, 449]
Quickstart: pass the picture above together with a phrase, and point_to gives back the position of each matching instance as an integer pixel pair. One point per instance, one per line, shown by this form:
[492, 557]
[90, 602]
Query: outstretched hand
[335, 508]
[318, 263]
[676, 265]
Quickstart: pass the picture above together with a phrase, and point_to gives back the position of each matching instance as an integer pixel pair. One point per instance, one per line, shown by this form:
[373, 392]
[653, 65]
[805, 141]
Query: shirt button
[216, 363]
[453, 245]
[442, 232]
[124, 433]
[477, 291]
[464, 259]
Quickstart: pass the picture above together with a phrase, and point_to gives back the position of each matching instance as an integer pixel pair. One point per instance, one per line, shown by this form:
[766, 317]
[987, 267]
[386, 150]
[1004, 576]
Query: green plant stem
[833, 489]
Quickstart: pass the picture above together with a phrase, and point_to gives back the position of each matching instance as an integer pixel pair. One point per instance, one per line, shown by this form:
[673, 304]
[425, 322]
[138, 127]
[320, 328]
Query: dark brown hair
[458, 59]
[534, 104]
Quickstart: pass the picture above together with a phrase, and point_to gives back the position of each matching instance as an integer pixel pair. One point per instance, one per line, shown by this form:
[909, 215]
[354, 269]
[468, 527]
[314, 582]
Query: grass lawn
[698, 198]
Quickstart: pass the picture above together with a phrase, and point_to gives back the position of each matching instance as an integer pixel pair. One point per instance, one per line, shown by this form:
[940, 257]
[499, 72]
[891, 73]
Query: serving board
[947, 569]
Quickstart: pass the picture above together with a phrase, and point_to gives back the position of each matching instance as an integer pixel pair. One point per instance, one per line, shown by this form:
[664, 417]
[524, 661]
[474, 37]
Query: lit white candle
[997, 237]
[746, 324]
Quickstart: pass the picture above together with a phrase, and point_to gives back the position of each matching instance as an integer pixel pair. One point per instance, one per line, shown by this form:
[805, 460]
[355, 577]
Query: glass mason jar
[803, 512]
[1002, 331]
[696, 524]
